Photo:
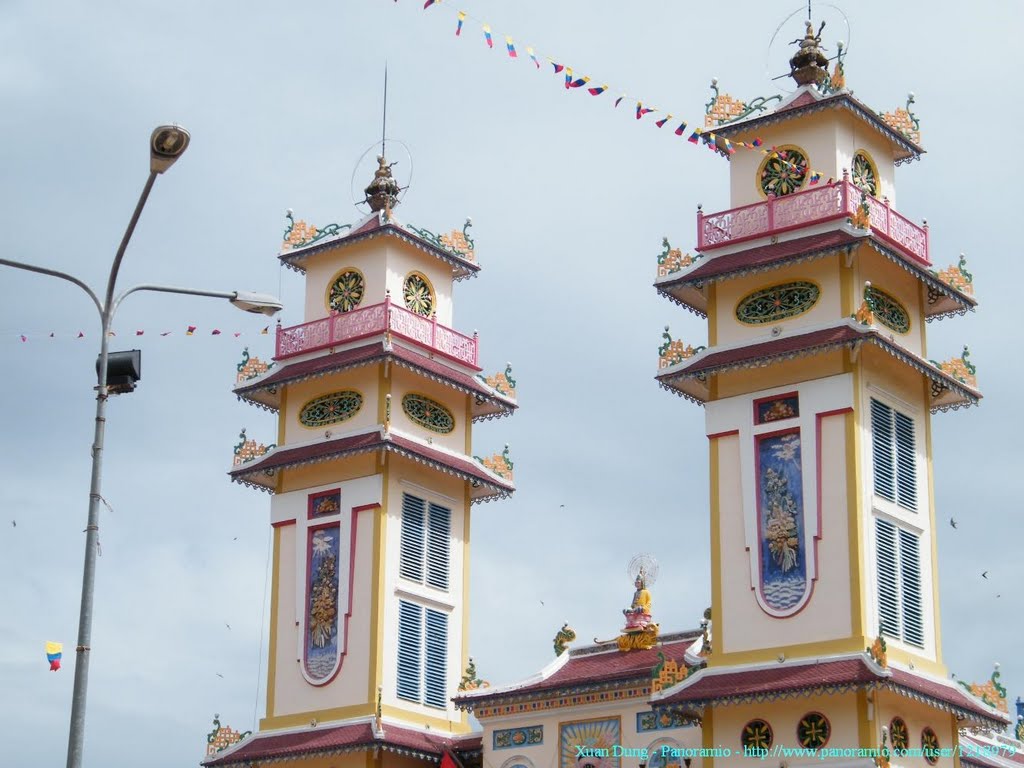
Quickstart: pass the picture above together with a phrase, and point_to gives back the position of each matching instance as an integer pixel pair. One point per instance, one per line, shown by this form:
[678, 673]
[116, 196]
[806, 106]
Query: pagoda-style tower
[373, 477]
[819, 393]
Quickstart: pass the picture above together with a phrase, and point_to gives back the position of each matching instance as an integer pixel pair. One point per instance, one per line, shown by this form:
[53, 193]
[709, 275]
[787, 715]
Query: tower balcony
[811, 206]
[376, 319]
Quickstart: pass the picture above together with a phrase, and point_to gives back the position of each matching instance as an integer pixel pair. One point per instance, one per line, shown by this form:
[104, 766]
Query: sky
[570, 199]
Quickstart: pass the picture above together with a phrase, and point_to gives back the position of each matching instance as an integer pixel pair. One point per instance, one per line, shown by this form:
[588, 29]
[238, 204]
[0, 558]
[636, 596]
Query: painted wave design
[784, 593]
[320, 665]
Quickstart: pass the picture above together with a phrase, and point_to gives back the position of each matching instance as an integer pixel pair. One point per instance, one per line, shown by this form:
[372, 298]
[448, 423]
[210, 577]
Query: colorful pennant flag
[139, 332]
[618, 100]
[533, 56]
[577, 83]
[511, 48]
[265, 331]
[81, 335]
[462, 18]
[661, 123]
[641, 110]
[558, 67]
[597, 90]
[487, 36]
[681, 129]
[695, 136]
[166, 333]
[430, 3]
[24, 337]
[815, 177]
[215, 332]
[191, 330]
[54, 651]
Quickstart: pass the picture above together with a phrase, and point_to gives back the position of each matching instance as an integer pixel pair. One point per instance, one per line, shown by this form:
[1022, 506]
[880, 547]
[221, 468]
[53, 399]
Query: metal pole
[76, 731]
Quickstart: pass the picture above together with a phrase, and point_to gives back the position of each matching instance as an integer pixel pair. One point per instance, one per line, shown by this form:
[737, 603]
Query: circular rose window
[782, 172]
[346, 291]
[418, 295]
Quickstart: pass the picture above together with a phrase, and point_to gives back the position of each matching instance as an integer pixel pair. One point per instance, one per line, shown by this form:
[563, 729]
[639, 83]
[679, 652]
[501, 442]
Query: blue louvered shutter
[881, 450]
[436, 660]
[438, 546]
[410, 650]
[906, 462]
[888, 580]
[910, 582]
[414, 512]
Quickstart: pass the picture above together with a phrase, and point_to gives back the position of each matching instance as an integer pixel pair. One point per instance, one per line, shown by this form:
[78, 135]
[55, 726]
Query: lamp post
[167, 143]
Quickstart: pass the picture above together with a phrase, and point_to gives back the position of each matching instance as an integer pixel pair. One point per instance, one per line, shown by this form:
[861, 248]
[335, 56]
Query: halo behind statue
[367, 163]
[646, 564]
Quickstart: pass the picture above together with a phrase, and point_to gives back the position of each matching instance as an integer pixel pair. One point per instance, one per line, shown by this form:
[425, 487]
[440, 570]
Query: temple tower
[819, 393]
[373, 478]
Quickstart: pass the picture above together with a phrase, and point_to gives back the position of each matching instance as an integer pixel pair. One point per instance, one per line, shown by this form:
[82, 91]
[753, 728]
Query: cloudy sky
[570, 199]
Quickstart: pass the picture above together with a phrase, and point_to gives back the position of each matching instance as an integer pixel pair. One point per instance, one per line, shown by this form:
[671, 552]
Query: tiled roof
[259, 472]
[332, 740]
[592, 667]
[376, 226]
[904, 148]
[262, 391]
[688, 378]
[683, 287]
[710, 687]
[995, 751]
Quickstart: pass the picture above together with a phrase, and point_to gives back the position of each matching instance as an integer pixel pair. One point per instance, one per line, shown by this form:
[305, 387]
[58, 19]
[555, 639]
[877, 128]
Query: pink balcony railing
[811, 206]
[376, 319]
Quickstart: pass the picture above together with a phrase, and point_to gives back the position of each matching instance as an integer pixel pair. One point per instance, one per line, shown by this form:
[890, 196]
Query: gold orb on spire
[382, 192]
[809, 65]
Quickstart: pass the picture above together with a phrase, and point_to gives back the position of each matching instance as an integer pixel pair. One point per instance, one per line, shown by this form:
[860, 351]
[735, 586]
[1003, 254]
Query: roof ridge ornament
[382, 192]
[809, 65]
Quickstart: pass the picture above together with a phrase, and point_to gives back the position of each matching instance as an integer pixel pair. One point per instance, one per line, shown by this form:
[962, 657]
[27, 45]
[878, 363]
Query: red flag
[139, 332]
[24, 337]
[191, 330]
[215, 332]
[81, 335]
[447, 761]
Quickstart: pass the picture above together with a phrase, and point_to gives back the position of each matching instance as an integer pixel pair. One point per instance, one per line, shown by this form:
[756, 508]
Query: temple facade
[822, 641]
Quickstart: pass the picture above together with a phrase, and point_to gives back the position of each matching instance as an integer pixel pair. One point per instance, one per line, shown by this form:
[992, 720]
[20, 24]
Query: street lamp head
[257, 303]
[166, 145]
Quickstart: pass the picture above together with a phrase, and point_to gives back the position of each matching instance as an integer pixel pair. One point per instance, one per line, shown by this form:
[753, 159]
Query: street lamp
[166, 145]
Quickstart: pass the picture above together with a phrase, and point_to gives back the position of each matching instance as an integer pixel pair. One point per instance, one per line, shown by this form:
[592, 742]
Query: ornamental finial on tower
[382, 192]
[809, 65]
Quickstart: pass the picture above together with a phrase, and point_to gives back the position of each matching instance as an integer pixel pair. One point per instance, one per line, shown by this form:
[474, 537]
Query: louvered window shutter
[435, 679]
[888, 582]
[410, 650]
[910, 576]
[413, 519]
[438, 546]
[882, 452]
[906, 462]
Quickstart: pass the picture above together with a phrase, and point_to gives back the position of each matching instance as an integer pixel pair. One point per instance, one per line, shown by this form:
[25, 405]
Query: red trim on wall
[730, 433]
[364, 507]
[817, 469]
[282, 523]
[313, 498]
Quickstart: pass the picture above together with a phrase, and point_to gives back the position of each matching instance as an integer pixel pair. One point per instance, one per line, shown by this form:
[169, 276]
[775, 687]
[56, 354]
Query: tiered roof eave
[379, 224]
[687, 287]
[265, 390]
[691, 377]
[261, 473]
[808, 100]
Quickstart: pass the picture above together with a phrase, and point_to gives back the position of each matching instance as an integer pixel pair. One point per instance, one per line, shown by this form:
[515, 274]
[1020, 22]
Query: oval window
[428, 413]
[888, 310]
[330, 409]
[778, 302]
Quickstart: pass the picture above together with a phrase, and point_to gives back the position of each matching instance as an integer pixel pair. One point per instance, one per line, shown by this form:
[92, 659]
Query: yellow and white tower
[819, 394]
[373, 479]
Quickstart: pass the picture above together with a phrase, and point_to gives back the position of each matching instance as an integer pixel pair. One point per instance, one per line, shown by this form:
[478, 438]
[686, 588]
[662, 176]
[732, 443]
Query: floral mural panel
[776, 408]
[324, 504]
[782, 538]
[321, 638]
[590, 743]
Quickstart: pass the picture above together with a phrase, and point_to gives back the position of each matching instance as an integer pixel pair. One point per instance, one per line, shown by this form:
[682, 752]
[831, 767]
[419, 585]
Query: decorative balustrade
[345, 327]
[810, 206]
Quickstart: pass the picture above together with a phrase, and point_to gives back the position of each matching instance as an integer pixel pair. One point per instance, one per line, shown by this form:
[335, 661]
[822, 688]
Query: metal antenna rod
[809, 11]
[384, 127]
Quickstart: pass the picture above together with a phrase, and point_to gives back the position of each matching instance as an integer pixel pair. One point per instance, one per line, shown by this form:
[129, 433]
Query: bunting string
[697, 135]
[189, 330]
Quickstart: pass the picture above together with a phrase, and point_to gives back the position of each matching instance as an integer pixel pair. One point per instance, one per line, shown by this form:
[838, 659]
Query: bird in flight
[952, 522]
[984, 574]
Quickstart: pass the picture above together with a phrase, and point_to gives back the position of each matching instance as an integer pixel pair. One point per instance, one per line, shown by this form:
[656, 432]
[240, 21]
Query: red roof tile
[751, 258]
[364, 355]
[342, 738]
[709, 687]
[772, 350]
[368, 441]
[589, 667]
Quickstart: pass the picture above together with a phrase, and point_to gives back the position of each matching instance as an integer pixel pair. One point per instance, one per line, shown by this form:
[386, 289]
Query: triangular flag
[191, 330]
[215, 332]
[265, 331]
[139, 332]
[462, 18]
[681, 129]
[641, 110]
[618, 100]
[237, 334]
[51, 334]
[429, 3]
[511, 48]
[533, 56]
[558, 67]
[24, 337]
[661, 123]
[487, 35]
[81, 335]
[597, 90]
[166, 333]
